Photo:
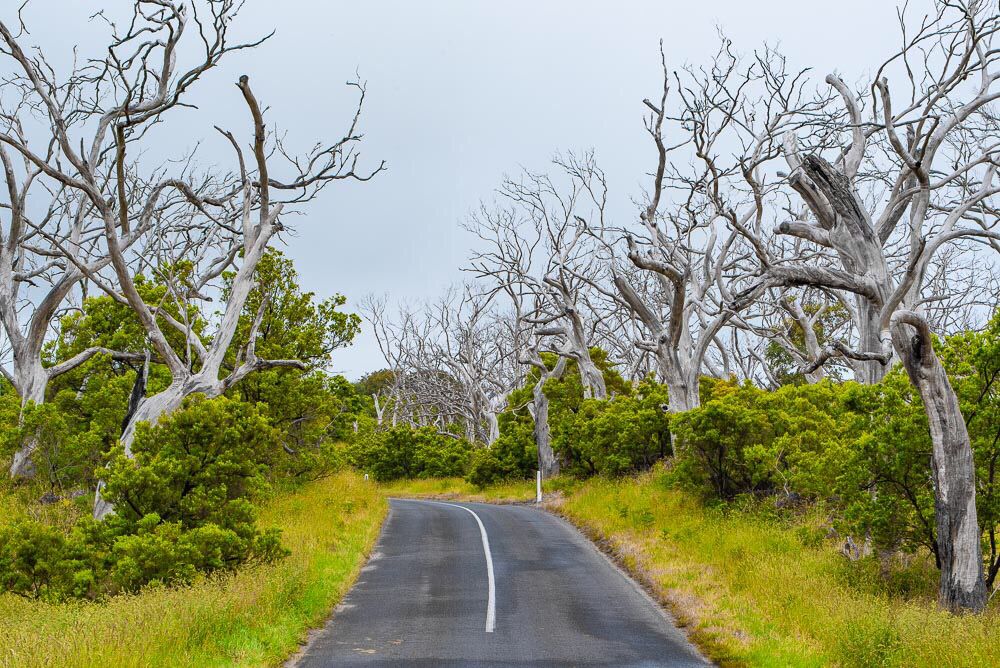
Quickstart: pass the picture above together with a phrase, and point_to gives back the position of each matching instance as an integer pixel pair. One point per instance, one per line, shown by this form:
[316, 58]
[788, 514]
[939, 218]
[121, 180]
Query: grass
[255, 617]
[752, 588]
[515, 491]
[757, 590]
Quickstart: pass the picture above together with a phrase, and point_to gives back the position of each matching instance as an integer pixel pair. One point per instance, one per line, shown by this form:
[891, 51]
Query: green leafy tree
[404, 452]
[310, 408]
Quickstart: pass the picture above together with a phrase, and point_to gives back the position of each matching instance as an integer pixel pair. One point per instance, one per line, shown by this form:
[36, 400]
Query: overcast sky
[462, 92]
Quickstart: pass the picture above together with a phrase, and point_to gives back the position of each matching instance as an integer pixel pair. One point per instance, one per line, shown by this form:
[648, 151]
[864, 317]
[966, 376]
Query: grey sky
[461, 92]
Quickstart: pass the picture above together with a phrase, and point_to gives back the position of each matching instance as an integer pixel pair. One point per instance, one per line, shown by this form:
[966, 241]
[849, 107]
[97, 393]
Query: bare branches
[166, 239]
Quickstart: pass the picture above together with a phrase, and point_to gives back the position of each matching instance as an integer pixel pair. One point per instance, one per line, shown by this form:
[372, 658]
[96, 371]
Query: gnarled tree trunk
[962, 586]
[547, 462]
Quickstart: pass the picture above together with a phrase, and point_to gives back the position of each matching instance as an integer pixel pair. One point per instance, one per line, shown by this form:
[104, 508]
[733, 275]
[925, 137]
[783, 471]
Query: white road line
[491, 604]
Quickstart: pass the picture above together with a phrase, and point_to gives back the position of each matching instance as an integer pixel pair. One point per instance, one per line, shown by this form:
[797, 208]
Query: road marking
[491, 603]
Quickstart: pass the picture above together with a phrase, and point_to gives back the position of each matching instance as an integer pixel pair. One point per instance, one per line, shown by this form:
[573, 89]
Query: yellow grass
[516, 491]
[764, 592]
[255, 617]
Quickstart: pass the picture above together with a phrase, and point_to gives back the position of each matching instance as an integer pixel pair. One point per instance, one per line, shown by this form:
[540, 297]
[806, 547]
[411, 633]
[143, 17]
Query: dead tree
[453, 360]
[476, 345]
[709, 198]
[931, 145]
[537, 254]
[48, 217]
[191, 232]
[532, 240]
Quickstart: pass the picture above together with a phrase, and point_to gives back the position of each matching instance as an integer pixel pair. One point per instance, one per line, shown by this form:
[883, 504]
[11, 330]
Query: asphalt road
[534, 592]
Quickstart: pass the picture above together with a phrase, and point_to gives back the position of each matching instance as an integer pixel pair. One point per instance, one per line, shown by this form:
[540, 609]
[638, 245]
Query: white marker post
[538, 486]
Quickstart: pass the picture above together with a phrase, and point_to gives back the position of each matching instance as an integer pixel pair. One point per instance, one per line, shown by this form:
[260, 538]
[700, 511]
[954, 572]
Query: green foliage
[39, 560]
[512, 457]
[403, 452]
[864, 450]
[312, 409]
[886, 485]
[589, 436]
[375, 382]
[186, 502]
[200, 465]
[743, 440]
[183, 506]
[616, 436]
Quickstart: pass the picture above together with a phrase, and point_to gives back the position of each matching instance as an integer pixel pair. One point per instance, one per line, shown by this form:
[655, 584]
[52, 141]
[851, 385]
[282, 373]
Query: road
[484, 585]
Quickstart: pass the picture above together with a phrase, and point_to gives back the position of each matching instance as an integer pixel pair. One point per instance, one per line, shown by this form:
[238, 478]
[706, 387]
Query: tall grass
[762, 591]
[514, 491]
[254, 617]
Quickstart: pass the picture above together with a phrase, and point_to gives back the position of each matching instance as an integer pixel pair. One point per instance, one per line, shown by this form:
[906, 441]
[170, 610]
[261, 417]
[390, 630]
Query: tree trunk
[592, 378]
[148, 409]
[682, 393]
[547, 462]
[492, 428]
[869, 372]
[962, 587]
[30, 381]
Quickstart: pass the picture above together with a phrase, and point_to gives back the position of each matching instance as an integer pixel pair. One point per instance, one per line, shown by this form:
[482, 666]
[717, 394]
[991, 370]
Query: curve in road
[483, 585]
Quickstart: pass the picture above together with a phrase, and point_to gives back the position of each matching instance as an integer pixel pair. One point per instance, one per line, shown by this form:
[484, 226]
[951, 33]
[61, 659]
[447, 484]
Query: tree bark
[682, 394]
[547, 462]
[147, 409]
[962, 587]
[869, 372]
[492, 427]
[30, 381]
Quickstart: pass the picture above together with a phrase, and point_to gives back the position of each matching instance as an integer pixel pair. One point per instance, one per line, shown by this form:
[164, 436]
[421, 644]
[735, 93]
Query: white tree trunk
[492, 428]
[30, 381]
[591, 377]
[547, 462]
[869, 372]
[958, 535]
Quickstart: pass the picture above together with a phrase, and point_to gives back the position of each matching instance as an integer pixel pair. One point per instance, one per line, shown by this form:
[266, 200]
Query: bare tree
[539, 254]
[48, 218]
[704, 213]
[534, 242]
[452, 361]
[192, 230]
[476, 345]
[929, 153]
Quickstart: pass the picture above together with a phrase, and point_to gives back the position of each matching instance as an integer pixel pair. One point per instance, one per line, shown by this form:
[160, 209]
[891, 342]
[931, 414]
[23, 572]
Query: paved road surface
[426, 598]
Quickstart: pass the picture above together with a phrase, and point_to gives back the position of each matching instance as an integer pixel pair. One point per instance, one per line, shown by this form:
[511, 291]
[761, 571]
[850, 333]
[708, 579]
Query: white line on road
[491, 604]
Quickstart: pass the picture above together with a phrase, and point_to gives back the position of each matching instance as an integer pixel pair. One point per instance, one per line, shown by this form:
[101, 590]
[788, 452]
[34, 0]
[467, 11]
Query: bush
[38, 560]
[183, 506]
[615, 436]
[404, 452]
[512, 457]
[797, 439]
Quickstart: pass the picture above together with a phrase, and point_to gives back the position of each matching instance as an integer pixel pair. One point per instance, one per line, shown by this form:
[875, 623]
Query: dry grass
[760, 591]
[256, 617]
[516, 491]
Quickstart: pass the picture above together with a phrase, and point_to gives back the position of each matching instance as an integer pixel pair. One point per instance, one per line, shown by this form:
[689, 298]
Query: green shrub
[404, 452]
[797, 439]
[512, 457]
[38, 560]
[615, 436]
[183, 506]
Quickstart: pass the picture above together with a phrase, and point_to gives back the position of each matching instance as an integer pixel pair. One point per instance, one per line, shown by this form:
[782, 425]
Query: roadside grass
[759, 590]
[457, 489]
[254, 617]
